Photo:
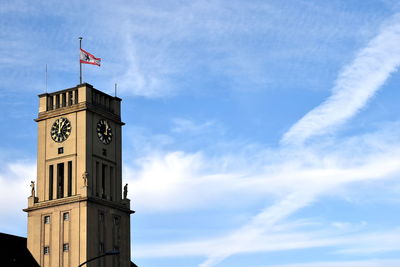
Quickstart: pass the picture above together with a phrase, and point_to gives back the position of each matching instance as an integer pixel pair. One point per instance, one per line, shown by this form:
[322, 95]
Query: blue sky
[258, 133]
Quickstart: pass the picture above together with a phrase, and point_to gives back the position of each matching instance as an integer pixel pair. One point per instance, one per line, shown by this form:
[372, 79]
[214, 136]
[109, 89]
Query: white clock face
[60, 130]
[104, 132]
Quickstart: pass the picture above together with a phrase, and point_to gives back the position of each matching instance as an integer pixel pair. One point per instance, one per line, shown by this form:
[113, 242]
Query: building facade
[77, 209]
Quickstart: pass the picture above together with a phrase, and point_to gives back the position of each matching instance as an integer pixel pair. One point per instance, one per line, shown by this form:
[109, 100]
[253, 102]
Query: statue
[32, 189]
[125, 191]
[85, 179]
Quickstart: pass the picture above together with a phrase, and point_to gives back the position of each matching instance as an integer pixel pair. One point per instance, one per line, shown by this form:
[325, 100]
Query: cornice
[76, 108]
[75, 199]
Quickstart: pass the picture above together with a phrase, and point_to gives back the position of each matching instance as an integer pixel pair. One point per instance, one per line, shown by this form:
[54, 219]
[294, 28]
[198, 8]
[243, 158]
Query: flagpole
[80, 63]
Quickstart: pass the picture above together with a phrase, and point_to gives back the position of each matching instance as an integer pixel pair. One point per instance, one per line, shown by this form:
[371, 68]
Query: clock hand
[106, 128]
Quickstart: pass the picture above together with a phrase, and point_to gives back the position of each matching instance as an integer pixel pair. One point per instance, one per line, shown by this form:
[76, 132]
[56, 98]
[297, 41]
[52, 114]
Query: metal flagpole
[115, 90]
[80, 63]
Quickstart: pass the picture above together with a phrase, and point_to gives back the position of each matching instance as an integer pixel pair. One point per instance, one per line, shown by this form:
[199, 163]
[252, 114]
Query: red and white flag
[88, 58]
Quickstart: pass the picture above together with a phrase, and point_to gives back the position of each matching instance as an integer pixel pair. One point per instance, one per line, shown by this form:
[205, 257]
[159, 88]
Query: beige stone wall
[99, 218]
[58, 232]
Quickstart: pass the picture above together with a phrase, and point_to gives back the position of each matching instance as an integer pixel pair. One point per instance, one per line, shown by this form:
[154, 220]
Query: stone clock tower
[78, 210]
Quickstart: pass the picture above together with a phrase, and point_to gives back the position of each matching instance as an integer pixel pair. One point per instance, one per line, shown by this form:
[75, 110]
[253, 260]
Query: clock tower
[78, 210]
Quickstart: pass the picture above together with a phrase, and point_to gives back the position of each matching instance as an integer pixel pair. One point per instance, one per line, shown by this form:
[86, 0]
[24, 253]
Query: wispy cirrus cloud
[362, 263]
[292, 179]
[295, 178]
[355, 85]
[189, 126]
[285, 237]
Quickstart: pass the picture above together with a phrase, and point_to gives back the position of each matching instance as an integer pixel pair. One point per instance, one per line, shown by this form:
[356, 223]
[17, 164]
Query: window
[69, 178]
[101, 217]
[76, 97]
[50, 103]
[116, 221]
[60, 150]
[57, 101]
[111, 183]
[66, 216]
[46, 219]
[66, 247]
[46, 250]
[101, 247]
[103, 180]
[51, 173]
[104, 152]
[70, 100]
[60, 180]
[64, 99]
[97, 177]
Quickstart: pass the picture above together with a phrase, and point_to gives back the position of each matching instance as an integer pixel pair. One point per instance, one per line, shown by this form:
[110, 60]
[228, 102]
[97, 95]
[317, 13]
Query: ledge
[78, 198]
[79, 107]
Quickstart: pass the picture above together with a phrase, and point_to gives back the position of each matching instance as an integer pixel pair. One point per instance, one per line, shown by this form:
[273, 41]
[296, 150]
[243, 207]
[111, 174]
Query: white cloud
[364, 263]
[180, 180]
[293, 179]
[14, 178]
[356, 84]
[282, 238]
[189, 126]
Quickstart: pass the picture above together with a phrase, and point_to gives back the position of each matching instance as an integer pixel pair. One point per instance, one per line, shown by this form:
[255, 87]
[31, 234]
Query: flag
[88, 58]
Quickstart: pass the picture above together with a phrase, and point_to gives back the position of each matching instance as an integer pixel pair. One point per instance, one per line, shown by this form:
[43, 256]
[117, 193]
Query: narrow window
[69, 178]
[60, 180]
[116, 221]
[46, 219]
[76, 97]
[64, 99]
[60, 150]
[46, 250]
[107, 103]
[51, 171]
[66, 247]
[66, 216]
[101, 217]
[97, 180]
[57, 101]
[111, 183]
[112, 105]
[101, 247]
[70, 100]
[50, 103]
[103, 181]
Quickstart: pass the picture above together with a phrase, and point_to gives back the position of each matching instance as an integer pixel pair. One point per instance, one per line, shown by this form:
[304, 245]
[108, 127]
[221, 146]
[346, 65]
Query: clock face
[60, 130]
[104, 131]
